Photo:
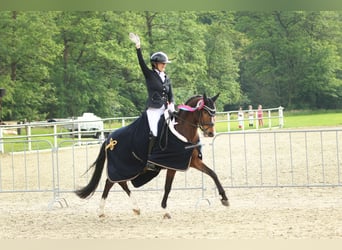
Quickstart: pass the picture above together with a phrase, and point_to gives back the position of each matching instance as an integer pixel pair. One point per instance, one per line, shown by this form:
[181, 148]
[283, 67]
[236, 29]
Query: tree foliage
[61, 64]
[292, 58]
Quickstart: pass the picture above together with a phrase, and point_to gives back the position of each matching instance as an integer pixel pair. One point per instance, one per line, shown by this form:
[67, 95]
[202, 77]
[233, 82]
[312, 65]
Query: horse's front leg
[198, 164]
[170, 174]
[221, 191]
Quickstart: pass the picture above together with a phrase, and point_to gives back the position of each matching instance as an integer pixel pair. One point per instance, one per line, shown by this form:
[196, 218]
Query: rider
[160, 96]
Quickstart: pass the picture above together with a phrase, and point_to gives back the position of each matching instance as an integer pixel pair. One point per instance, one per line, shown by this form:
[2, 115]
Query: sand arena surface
[254, 213]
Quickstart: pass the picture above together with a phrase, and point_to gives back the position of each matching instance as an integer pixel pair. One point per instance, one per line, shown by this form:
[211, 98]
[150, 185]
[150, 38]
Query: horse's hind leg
[134, 203]
[106, 190]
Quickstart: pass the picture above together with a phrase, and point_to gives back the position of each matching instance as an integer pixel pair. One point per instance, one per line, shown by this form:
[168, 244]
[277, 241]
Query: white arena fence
[282, 158]
[254, 159]
[243, 159]
[272, 118]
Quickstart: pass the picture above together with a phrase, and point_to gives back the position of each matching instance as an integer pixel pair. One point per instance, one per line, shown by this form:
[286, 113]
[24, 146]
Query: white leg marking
[166, 214]
[101, 208]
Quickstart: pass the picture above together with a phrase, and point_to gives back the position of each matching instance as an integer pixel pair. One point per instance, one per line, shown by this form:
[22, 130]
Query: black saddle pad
[127, 152]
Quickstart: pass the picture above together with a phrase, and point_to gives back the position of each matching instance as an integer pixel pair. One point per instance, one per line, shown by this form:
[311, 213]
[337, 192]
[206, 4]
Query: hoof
[102, 215]
[136, 211]
[225, 203]
[167, 216]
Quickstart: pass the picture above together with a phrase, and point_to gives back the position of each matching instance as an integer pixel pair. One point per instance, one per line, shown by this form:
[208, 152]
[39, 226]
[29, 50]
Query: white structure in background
[88, 123]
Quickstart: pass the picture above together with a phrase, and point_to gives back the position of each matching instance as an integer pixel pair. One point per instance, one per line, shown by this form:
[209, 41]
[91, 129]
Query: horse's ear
[205, 97]
[215, 97]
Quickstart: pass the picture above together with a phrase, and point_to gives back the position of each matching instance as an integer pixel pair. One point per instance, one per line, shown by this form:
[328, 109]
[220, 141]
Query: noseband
[202, 124]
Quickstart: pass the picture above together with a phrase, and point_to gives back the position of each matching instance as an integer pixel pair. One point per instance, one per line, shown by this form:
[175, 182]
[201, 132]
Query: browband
[200, 105]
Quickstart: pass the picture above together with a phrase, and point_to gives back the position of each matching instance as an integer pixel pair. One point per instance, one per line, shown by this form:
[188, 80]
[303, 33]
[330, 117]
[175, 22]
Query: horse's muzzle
[209, 133]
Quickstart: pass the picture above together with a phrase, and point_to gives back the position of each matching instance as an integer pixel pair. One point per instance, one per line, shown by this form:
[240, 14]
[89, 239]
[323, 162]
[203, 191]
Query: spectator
[260, 116]
[240, 118]
[250, 116]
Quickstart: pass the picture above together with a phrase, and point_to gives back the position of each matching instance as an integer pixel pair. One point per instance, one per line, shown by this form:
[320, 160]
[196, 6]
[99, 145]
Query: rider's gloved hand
[135, 39]
[171, 107]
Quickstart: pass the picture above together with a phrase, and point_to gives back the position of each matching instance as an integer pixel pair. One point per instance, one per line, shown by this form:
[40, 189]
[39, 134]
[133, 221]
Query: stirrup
[152, 167]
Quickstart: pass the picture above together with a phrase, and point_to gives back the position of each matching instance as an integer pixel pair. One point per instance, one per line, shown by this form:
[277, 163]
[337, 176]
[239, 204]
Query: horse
[198, 112]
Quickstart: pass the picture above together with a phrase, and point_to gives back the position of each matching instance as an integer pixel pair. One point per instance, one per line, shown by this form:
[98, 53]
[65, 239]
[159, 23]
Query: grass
[292, 120]
[314, 120]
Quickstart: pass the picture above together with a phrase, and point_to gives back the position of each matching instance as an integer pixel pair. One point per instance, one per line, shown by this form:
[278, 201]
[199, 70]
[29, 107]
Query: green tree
[289, 59]
[222, 54]
[27, 52]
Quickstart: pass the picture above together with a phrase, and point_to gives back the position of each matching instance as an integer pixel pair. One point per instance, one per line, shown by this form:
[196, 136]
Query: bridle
[200, 107]
[201, 125]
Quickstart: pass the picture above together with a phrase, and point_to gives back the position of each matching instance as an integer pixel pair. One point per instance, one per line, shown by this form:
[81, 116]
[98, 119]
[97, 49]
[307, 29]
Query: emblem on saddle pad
[111, 144]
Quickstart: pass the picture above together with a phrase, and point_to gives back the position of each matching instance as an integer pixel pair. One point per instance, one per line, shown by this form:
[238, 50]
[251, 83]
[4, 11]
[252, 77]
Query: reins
[164, 132]
[201, 125]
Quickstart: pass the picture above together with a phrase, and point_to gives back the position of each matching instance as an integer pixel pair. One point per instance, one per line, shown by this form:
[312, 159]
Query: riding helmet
[159, 57]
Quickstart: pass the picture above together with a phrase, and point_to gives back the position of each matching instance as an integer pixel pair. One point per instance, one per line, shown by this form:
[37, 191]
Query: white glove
[171, 107]
[171, 110]
[135, 39]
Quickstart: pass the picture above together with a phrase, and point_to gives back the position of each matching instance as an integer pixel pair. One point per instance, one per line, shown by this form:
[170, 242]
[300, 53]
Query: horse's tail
[95, 179]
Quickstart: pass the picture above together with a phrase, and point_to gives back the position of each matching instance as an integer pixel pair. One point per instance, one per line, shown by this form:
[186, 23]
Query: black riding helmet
[159, 57]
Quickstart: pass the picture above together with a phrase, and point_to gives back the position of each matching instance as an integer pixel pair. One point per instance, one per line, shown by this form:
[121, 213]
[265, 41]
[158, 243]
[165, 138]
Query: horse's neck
[187, 128]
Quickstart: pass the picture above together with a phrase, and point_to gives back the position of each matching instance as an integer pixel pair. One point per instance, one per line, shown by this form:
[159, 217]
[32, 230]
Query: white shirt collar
[162, 75]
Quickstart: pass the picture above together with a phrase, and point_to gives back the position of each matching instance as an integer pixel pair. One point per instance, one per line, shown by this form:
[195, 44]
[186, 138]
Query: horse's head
[207, 115]
[203, 109]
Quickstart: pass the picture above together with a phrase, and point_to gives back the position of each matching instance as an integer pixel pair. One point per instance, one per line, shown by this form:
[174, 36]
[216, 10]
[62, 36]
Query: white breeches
[153, 116]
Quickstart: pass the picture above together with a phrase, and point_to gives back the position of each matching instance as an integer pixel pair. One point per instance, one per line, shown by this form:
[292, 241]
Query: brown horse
[198, 112]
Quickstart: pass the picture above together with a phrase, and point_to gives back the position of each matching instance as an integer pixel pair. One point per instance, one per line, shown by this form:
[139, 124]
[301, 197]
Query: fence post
[55, 135]
[256, 119]
[228, 118]
[102, 137]
[281, 117]
[28, 129]
[1, 141]
[269, 119]
[79, 132]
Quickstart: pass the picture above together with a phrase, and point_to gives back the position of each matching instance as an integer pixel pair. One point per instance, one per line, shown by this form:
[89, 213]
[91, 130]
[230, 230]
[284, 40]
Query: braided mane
[192, 98]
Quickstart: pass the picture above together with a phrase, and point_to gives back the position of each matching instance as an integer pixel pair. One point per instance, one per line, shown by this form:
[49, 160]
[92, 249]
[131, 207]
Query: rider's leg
[153, 116]
[151, 143]
[150, 166]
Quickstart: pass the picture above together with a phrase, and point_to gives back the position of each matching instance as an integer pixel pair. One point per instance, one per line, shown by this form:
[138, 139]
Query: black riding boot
[151, 144]
[151, 166]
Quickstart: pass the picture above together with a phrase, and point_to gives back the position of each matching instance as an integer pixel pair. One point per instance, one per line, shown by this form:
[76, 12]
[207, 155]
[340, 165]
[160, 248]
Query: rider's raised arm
[136, 40]
[142, 63]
